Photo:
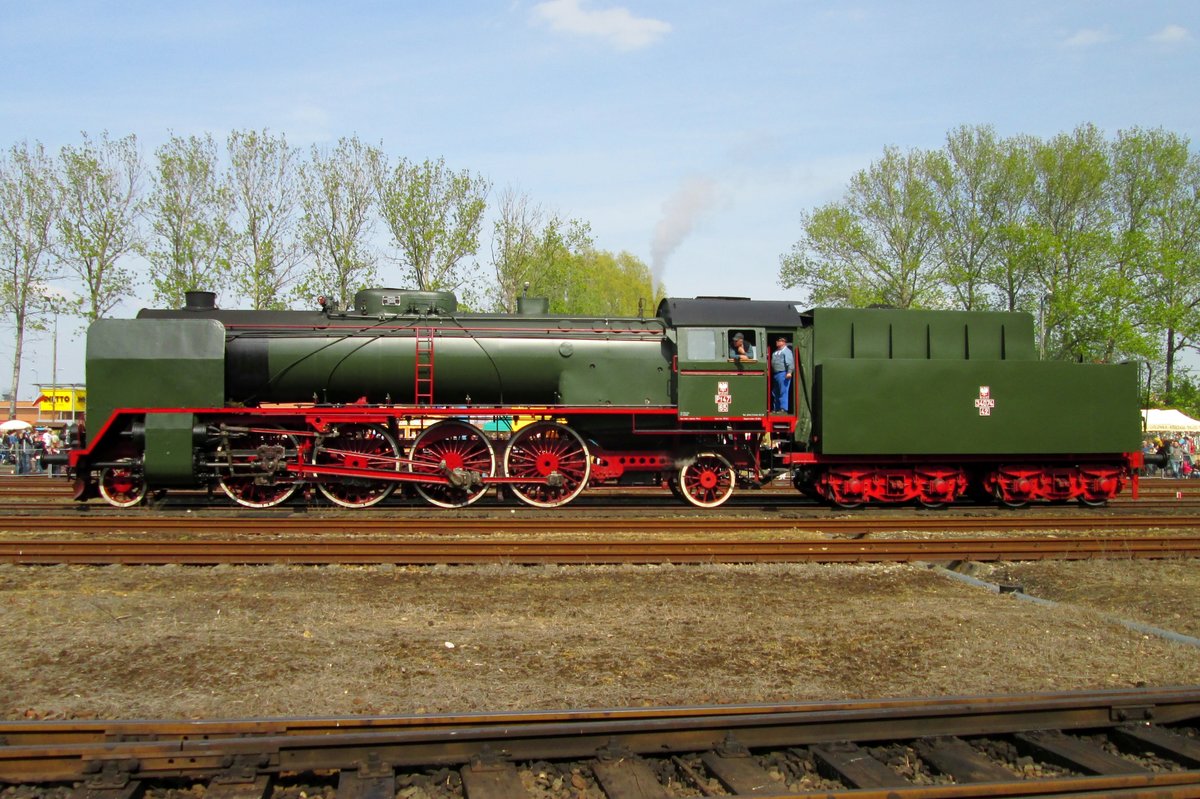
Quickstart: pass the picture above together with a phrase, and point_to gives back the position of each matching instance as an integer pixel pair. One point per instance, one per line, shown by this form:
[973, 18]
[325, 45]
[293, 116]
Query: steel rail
[62, 751]
[440, 522]
[478, 551]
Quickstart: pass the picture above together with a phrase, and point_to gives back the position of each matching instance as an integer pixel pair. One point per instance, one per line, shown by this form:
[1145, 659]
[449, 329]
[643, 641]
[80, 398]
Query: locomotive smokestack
[200, 301]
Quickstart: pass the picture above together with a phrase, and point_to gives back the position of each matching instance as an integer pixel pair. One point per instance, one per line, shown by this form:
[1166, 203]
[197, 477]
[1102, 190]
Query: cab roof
[729, 312]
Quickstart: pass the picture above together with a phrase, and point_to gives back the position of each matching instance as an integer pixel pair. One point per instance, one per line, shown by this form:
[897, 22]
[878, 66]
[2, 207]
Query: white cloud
[1088, 37]
[1172, 34]
[616, 26]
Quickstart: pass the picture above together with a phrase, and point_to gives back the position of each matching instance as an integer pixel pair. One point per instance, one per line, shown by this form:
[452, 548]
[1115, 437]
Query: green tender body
[932, 407]
[911, 383]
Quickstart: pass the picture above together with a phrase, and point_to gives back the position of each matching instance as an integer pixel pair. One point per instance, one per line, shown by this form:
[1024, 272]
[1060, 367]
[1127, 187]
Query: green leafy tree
[536, 254]
[266, 255]
[878, 245]
[1070, 238]
[980, 186]
[189, 211]
[29, 203]
[98, 221]
[338, 197]
[435, 217]
[610, 284]
[1168, 248]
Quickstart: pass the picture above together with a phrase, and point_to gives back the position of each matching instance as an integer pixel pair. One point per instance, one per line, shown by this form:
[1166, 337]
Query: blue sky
[688, 132]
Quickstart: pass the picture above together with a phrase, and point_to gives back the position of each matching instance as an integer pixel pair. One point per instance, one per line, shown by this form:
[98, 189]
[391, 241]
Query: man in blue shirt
[783, 365]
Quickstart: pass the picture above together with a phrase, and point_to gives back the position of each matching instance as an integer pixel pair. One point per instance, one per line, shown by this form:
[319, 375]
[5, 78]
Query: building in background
[59, 404]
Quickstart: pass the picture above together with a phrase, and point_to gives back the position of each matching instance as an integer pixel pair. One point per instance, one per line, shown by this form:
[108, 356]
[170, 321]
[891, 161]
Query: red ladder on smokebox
[423, 384]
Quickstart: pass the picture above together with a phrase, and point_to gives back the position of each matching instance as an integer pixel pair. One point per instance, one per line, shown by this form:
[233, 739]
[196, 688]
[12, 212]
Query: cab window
[703, 344]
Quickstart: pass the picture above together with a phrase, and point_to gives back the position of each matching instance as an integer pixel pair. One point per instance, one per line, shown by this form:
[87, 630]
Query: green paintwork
[923, 335]
[380, 302]
[142, 363]
[492, 368]
[169, 446]
[875, 406]
[745, 393]
[710, 384]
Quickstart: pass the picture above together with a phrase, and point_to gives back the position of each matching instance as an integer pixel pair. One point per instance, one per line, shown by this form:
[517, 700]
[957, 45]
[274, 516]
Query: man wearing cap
[783, 364]
[739, 350]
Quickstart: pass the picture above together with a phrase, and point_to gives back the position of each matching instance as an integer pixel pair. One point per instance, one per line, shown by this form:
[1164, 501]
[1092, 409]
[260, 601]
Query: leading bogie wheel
[553, 458]
[459, 452]
[358, 446]
[122, 486]
[258, 476]
[707, 480]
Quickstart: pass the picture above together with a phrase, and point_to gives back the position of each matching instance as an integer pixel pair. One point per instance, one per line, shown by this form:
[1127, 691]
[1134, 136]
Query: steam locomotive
[404, 390]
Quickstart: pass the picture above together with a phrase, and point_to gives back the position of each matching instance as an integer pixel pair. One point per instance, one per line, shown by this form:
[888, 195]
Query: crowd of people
[1178, 453]
[23, 450]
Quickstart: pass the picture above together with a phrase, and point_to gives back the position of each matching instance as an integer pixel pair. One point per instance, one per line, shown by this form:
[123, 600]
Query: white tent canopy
[1169, 421]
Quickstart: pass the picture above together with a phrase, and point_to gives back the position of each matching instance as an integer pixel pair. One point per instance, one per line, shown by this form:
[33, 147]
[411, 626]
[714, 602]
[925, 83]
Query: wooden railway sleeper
[1053, 746]
[852, 765]
[957, 758]
[741, 774]
[1161, 741]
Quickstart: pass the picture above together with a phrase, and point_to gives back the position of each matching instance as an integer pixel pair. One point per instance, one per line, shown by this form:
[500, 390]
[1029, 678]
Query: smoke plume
[680, 213]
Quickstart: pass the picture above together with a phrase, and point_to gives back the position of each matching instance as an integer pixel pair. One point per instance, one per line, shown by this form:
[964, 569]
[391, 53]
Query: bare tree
[98, 220]
[28, 206]
[516, 235]
[338, 195]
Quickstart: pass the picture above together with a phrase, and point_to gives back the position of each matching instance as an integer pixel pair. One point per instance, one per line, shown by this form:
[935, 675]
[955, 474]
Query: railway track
[1119, 743]
[439, 523]
[360, 551]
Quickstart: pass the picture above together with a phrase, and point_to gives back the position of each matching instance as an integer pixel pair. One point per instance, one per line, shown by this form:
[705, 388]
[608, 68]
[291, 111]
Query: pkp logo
[985, 403]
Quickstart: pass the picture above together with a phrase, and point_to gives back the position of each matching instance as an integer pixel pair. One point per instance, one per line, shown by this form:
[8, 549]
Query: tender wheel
[551, 452]
[1007, 502]
[122, 486]
[461, 453]
[1093, 503]
[707, 480]
[937, 487]
[258, 476]
[358, 447]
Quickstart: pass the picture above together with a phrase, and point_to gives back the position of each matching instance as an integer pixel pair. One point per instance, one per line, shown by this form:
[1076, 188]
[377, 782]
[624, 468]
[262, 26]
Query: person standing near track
[783, 366]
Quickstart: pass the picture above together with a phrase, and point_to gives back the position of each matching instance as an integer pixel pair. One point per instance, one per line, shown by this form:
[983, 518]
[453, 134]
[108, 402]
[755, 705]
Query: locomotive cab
[716, 379]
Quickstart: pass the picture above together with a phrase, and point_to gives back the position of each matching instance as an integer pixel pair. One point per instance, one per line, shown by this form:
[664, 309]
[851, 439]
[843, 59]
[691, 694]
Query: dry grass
[231, 641]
